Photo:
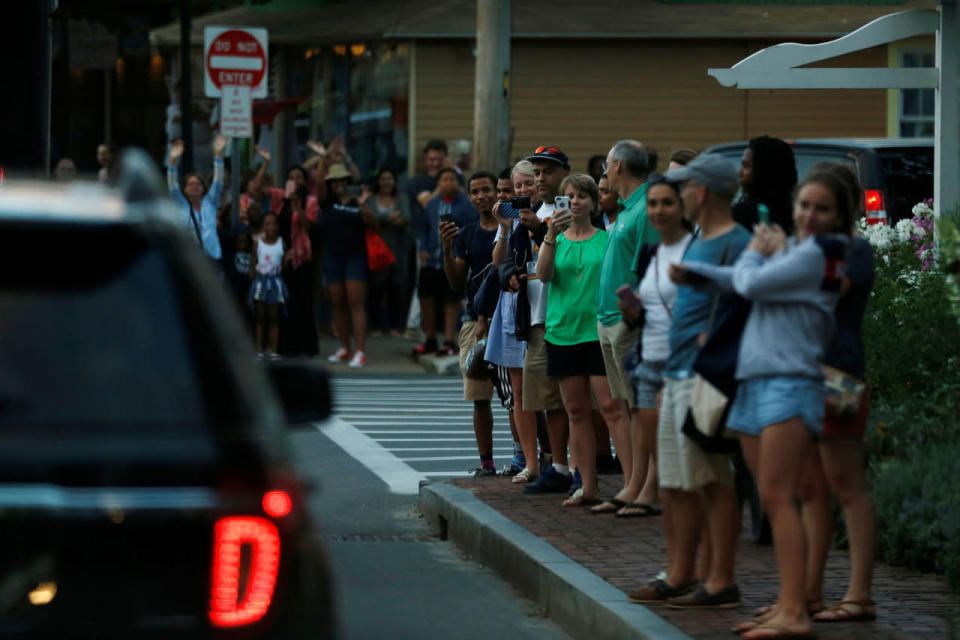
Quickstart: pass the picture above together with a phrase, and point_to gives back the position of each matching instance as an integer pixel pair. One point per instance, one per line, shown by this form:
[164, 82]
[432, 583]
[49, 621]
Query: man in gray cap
[690, 478]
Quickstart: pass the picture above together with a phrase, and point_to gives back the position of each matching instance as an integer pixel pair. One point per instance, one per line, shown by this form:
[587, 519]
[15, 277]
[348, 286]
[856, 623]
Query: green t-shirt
[631, 231]
[571, 303]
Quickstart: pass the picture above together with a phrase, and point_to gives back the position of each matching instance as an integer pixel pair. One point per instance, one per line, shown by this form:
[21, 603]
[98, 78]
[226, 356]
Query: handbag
[844, 393]
[706, 419]
[379, 255]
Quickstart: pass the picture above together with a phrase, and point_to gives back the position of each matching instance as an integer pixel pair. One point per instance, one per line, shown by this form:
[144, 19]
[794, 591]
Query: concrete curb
[581, 602]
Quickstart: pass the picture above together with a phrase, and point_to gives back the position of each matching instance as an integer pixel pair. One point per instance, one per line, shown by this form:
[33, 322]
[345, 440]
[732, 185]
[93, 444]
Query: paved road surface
[393, 578]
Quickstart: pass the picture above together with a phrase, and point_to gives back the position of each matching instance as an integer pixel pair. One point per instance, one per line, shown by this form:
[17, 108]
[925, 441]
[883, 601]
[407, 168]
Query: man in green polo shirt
[626, 170]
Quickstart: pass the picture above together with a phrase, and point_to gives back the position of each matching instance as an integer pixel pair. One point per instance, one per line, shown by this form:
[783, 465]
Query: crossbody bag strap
[196, 225]
[716, 296]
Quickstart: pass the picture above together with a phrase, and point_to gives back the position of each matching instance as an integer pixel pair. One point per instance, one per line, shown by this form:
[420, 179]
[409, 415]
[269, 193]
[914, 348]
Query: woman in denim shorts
[654, 309]
[794, 285]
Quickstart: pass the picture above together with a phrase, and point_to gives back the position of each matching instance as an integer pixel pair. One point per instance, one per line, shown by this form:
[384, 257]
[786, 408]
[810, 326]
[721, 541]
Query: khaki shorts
[616, 342]
[540, 392]
[472, 389]
[681, 464]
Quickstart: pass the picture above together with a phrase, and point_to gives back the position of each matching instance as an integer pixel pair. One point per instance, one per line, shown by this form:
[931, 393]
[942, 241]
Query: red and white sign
[236, 112]
[235, 56]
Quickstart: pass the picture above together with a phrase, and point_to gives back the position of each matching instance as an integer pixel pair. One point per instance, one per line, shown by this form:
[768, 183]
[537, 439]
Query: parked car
[896, 173]
[145, 484]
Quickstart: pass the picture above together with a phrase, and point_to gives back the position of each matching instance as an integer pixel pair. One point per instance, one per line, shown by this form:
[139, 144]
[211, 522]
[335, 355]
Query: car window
[909, 177]
[93, 341]
[807, 158]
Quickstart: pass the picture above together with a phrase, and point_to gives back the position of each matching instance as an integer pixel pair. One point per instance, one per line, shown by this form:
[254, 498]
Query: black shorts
[582, 359]
[434, 284]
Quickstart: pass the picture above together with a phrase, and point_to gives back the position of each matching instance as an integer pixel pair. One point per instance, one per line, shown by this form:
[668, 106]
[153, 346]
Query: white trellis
[775, 68]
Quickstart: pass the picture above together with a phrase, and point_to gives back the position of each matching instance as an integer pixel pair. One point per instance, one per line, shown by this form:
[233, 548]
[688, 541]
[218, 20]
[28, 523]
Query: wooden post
[491, 105]
[946, 161]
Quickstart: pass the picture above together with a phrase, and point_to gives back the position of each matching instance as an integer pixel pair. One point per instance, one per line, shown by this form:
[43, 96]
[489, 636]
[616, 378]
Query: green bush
[912, 342]
[917, 514]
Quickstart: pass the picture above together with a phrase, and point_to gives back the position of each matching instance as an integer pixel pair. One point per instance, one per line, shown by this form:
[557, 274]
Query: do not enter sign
[235, 57]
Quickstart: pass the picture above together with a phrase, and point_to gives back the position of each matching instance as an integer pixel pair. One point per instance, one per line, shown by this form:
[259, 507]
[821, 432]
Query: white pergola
[775, 68]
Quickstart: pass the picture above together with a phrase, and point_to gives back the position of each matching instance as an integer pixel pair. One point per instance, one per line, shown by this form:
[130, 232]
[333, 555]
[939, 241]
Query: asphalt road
[393, 578]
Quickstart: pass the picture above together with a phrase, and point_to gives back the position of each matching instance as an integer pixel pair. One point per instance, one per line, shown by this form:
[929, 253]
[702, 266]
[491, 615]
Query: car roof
[863, 143]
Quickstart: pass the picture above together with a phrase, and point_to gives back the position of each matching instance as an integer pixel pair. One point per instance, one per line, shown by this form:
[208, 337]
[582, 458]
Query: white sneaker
[340, 356]
[359, 359]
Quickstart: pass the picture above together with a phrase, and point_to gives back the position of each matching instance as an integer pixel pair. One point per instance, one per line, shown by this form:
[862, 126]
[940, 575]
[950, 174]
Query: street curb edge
[578, 600]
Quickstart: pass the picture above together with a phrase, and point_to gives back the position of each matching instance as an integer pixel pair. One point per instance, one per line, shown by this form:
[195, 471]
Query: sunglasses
[547, 150]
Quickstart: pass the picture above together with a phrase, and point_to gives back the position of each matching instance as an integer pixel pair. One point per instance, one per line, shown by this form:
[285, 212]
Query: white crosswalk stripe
[422, 422]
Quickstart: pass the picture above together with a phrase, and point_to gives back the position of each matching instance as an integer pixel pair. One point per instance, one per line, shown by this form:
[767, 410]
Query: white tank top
[269, 257]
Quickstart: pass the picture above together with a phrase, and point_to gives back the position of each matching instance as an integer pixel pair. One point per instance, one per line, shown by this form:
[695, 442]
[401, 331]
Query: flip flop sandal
[642, 510]
[609, 505]
[841, 612]
[524, 477]
[579, 500]
[813, 606]
[781, 632]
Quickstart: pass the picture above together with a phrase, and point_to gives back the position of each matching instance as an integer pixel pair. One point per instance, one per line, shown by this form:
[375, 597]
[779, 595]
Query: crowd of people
[598, 304]
[603, 306]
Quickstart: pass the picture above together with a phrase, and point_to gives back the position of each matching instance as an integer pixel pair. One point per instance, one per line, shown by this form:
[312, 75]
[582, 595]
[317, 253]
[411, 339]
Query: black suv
[896, 173]
[145, 483]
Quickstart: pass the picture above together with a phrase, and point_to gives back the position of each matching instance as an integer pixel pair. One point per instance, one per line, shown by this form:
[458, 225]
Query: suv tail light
[875, 206]
[243, 580]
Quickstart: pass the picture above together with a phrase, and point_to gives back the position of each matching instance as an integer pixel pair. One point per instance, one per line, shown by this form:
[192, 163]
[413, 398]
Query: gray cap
[711, 170]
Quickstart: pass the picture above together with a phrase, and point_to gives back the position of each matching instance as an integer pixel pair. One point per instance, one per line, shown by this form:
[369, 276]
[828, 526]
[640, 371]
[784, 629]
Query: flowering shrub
[912, 344]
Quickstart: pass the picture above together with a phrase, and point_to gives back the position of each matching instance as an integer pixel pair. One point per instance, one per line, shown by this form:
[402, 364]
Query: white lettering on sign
[236, 112]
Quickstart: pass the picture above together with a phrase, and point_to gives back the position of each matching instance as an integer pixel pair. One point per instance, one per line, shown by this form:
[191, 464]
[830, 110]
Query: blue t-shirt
[691, 312]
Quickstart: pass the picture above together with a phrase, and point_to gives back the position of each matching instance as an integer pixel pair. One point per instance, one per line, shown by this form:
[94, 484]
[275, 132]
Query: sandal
[524, 477]
[814, 605]
[609, 505]
[780, 632]
[580, 500]
[849, 611]
[638, 510]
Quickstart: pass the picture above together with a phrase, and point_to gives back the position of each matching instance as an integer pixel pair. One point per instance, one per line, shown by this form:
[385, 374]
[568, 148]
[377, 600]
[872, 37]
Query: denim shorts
[647, 379]
[339, 269]
[761, 402]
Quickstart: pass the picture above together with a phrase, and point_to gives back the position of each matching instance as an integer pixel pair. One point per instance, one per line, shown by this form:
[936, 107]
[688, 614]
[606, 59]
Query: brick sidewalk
[626, 552]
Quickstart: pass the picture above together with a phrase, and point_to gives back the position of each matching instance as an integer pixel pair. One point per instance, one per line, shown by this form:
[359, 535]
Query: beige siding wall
[583, 96]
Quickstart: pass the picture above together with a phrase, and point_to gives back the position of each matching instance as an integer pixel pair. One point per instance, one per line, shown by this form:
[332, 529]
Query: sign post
[235, 67]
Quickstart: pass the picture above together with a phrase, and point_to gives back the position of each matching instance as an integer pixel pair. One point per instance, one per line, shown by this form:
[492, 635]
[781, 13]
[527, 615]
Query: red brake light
[277, 504]
[241, 588]
[875, 207]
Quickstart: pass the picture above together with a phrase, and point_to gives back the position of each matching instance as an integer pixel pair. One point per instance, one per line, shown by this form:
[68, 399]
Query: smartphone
[520, 202]
[446, 217]
[625, 293]
[562, 202]
[507, 210]
[763, 213]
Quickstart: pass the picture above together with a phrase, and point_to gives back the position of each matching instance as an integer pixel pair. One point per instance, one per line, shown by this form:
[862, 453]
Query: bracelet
[550, 242]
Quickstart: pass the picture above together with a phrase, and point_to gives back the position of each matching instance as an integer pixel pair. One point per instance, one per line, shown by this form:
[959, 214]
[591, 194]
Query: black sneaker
[728, 598]
[550, 481]
[427, 347]
[484, 472]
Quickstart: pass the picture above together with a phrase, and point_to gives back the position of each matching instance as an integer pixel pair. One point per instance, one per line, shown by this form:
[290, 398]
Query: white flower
[906, 229]
[922, 210]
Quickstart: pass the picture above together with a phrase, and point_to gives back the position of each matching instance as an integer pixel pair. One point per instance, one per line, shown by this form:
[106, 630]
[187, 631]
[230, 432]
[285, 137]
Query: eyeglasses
[605, 167]
[547, 150]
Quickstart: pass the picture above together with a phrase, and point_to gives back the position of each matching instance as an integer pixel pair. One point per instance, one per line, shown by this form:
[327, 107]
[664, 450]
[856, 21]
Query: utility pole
[186, 88]
[491, 103]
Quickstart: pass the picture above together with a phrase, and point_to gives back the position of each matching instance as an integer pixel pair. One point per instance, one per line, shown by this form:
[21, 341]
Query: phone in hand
[562, 202]
[446, 217]
[763, 213]
[506, 210]
[520, 202]
[626, 295]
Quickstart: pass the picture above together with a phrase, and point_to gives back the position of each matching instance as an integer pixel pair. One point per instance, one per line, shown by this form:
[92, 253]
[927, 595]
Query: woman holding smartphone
[503, 347]
[569, 262]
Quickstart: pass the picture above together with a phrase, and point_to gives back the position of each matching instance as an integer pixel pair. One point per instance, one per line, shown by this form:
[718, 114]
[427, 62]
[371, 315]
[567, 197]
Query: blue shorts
[761, 402]
[339, 269]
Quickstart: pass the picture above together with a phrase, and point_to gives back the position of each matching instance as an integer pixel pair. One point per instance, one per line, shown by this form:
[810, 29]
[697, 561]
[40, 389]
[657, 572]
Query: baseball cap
[711, 170]
[552, 154]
